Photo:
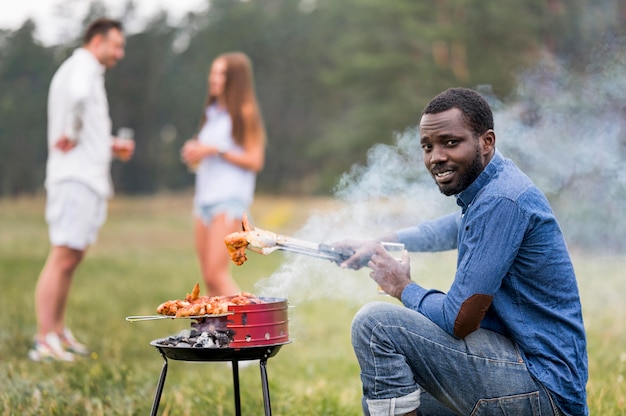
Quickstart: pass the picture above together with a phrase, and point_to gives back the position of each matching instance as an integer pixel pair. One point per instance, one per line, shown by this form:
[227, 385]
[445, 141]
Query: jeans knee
[366, 320]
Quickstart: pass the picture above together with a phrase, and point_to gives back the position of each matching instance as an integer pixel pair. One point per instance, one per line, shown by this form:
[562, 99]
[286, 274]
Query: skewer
[139, 318]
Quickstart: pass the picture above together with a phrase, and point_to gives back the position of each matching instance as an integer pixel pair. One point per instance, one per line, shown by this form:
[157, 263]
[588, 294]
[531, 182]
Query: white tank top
[216, 179]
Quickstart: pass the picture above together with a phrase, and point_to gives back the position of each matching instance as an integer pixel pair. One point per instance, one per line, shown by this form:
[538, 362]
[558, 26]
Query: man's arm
[437, 235]
[77, 88]
[492, 235]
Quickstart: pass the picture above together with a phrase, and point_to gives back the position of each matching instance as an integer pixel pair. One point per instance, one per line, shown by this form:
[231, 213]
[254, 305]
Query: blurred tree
[140, 98]
[391, 58]
[25, 72]
[581, 26]
[332, 77]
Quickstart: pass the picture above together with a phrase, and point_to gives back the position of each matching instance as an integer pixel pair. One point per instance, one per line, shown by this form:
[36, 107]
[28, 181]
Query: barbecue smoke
[392, 191]
[566, 130]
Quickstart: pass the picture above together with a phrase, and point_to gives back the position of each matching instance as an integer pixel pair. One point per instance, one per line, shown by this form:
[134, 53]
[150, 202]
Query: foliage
[333, 78]
[25, 72]
[391, 58]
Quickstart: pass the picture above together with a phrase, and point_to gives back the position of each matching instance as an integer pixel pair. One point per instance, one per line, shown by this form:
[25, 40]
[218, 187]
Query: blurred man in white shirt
[78, 181]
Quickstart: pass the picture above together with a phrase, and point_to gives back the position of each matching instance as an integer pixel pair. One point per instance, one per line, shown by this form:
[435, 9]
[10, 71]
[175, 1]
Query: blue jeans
[408, 362]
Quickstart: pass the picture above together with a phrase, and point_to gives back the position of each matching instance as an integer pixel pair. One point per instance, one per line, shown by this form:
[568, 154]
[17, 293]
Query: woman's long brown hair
[239, 93]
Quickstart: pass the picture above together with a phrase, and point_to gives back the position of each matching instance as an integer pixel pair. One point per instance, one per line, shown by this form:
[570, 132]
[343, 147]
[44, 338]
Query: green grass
[145, 256]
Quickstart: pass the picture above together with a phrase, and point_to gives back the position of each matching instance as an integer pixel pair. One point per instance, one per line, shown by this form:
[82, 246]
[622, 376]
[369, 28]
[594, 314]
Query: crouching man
[508, 337]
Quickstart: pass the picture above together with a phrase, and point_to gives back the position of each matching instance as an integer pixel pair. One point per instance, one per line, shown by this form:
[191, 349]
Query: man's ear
[97, 40]
[488, 140]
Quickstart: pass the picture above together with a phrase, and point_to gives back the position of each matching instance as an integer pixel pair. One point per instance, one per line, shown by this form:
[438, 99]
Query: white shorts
[74, 213]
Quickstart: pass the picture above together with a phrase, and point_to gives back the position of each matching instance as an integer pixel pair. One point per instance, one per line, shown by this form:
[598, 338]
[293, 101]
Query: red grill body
[259, 324]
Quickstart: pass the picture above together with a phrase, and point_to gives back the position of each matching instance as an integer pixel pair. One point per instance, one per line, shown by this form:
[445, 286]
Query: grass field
[145, 256]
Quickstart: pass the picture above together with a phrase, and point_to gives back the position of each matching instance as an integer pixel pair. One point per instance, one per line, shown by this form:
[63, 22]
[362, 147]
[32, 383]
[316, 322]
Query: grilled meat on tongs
[266, 242]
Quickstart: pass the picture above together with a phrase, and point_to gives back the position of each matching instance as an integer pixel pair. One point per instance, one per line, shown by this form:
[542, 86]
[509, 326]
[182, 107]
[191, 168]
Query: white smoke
[565, 130]
[392, 191]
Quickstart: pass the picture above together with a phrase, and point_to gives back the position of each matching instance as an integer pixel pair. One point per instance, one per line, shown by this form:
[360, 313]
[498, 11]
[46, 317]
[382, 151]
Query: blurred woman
[226, 155]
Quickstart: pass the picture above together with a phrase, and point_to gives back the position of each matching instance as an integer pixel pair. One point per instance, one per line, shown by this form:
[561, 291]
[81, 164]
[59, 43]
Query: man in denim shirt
[508, 337]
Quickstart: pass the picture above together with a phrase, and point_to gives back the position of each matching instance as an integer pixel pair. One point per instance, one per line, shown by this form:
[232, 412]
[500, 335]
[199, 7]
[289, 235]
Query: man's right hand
[363, 250]
[65, 144]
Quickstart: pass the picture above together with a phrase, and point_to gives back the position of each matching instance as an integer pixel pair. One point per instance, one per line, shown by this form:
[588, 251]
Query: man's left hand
[65, 144]
[391, 275]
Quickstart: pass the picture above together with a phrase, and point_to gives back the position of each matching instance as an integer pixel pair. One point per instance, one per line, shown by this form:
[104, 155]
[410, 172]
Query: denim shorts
[233, 209]
[74, 213]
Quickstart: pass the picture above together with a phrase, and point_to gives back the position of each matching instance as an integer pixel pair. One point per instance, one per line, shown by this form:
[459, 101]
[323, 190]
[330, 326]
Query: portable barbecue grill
[259, 329]
[258, 332]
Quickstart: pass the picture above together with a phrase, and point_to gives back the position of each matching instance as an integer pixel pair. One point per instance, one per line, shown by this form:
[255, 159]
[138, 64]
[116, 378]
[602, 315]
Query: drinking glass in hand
[125, 143]
[396, 250]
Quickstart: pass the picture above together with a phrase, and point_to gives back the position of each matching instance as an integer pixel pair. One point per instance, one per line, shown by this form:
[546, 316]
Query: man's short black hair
[476, 111]
[100, 26]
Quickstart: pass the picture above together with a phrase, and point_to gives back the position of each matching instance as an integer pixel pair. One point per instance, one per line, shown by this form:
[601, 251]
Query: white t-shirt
[216, 179]
[78, 107]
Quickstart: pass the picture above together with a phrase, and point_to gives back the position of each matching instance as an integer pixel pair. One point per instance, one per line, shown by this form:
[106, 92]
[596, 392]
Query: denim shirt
[510, 248]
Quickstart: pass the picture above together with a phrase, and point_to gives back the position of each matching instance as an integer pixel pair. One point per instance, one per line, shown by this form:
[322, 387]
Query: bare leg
[53, 288]
[213, 255]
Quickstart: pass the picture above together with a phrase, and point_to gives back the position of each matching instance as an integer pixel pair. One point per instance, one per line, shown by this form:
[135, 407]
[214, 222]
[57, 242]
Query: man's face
[452, 154]
[110, 48]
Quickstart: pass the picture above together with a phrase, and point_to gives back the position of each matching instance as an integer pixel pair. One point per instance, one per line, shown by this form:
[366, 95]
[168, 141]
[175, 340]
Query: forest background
[333, 77]
[337, 78]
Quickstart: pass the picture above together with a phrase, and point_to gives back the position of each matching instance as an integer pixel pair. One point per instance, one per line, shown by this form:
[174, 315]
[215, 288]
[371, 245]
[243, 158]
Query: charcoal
[200, 339]
[210, 324]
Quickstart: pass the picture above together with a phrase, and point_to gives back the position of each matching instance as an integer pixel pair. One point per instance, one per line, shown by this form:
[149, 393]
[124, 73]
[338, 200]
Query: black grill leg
[266, 387]
[160, 385]
[236, 387]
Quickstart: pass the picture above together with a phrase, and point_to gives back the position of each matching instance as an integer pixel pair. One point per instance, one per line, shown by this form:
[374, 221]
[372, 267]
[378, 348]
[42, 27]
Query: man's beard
[466, 179]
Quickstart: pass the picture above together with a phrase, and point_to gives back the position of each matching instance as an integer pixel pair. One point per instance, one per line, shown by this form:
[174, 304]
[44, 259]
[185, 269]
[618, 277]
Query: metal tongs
[266, 242]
